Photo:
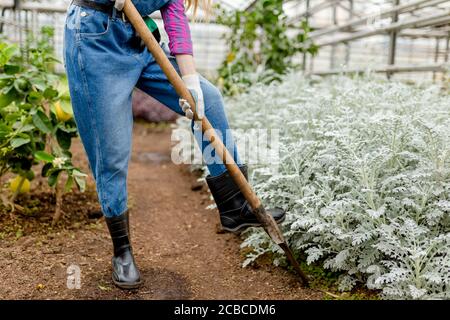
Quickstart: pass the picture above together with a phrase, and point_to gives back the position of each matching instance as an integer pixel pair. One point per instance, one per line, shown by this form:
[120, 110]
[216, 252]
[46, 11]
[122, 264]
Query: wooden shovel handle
[176, 81]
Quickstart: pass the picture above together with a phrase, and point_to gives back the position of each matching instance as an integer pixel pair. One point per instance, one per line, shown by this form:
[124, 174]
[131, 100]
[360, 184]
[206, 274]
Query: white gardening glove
[192, 82]
[118, 4]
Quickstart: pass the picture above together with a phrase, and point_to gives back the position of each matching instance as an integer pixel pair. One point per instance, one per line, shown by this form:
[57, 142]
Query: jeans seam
[94, 122]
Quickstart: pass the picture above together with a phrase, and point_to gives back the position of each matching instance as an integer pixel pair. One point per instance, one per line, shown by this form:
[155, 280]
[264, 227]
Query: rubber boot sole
[127, 286]
[244, 226]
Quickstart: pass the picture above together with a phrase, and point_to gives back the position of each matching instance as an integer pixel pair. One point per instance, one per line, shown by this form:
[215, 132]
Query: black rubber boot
[125, 272]
[235, 212]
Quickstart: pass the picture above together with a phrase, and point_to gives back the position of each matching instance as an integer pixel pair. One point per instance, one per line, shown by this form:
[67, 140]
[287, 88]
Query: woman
[105, 61]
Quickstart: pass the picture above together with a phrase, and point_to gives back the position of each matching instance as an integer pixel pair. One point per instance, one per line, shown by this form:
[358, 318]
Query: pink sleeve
[177, 27]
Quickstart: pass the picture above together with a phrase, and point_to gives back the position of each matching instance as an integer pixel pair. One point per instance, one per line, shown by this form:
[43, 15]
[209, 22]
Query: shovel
[264, 218]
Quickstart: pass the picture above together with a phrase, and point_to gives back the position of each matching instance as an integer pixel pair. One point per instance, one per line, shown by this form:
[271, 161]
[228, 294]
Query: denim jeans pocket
[92, 23]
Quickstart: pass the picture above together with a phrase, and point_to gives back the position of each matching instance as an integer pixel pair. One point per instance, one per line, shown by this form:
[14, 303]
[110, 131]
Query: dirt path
[178, 249]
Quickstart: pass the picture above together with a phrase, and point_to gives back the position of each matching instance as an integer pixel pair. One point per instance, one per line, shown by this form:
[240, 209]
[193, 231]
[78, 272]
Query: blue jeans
[105, 61]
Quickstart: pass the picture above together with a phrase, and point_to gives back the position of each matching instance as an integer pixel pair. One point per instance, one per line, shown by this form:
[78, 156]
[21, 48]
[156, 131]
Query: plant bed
[36, 214]
[33, 212]
[364, 175]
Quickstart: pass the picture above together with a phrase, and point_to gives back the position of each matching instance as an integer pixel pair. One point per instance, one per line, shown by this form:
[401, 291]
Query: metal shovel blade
[274, 232]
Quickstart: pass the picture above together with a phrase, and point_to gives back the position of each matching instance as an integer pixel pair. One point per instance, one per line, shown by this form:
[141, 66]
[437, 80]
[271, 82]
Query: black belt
[108, 9]
[103, 7]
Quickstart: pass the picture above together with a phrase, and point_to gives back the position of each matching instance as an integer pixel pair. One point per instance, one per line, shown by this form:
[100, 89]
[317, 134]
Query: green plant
[30, 131]
[364, 174]
[260, 48]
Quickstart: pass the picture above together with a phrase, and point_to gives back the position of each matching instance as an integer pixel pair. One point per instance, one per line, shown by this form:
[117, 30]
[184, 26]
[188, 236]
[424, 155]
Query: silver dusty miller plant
[364, 175]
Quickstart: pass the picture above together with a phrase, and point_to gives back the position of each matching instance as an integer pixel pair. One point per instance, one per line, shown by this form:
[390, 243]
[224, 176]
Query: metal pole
[17, 16]
[333, 47]
[447, 45]
[393, 40]
[436, 56]
[27, 54]
[3, 16]
[347, 44]
[307, 21]
[33, 21]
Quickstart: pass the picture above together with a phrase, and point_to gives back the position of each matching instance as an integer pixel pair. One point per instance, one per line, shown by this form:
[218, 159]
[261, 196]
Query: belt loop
[114, 12]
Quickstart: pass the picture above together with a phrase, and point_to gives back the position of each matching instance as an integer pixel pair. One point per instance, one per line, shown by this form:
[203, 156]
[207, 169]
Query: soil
[177, 242]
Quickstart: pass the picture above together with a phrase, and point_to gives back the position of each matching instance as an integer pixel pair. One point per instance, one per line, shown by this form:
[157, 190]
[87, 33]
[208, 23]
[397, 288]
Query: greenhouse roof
[236, 4]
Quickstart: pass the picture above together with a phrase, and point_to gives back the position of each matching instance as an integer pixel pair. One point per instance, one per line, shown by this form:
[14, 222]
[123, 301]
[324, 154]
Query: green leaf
[11, 69]
[65, 96]
[53, 178]
[22, 85]
[48, 31]
[6, 99]
[66, 127]
[64, 139]
[26, 128]
[46, 169]
[44, 156]
[34, 97]
[39, 84]
[11, 117]
[69, 184]
[26, 106]
[17, 142]
[6, 77]
[42, 122]
[80, 179]
[50, 93]
[7, 52]
[4, 130]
